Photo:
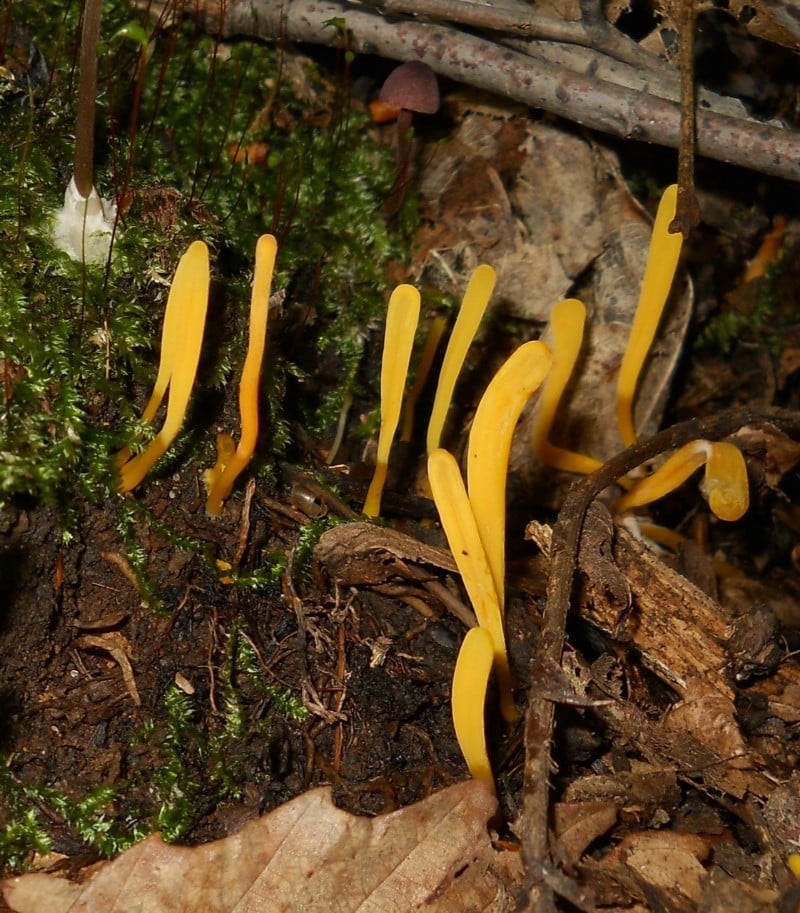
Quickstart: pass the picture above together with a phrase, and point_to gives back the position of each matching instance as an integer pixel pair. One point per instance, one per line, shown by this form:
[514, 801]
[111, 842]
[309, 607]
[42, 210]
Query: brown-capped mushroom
[411, 87]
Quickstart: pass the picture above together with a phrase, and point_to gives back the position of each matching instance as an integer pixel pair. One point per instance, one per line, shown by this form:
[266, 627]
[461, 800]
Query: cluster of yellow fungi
[473, 515]
[181, 342]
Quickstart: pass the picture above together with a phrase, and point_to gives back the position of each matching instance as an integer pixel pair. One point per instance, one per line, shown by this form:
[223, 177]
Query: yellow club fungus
[662, 261]
[435, 333]
[490, 445]
[230, 465]
[458, 522]
[468, 699]
[184, 323]
[401, 325]
[473, 306]
[725, 482]
[567, 320]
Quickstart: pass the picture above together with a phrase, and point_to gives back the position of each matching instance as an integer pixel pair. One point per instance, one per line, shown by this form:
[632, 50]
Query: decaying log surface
[533, 823]
[679, 633]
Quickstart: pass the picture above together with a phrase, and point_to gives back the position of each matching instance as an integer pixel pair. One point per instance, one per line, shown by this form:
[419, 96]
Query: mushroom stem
[490, 445]
[266, 252]
[468, 700]
[401, 325]
[402, 161]
[435, 333]
[662, 261]
[87, 98]
[458, 522]
[567, 320]
[473, 306]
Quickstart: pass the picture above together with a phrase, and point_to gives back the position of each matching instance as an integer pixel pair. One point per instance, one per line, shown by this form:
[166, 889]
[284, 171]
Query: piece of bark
[357, 554]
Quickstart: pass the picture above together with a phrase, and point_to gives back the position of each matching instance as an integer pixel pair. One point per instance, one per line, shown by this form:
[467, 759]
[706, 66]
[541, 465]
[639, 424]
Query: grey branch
[590, 87]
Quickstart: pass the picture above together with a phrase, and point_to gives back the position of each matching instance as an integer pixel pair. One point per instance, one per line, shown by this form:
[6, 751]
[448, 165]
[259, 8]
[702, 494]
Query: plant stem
[87, 96]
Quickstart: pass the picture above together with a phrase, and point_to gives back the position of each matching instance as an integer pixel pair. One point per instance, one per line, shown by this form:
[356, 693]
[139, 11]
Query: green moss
[731, 326]
[78, 347]
[27, 828]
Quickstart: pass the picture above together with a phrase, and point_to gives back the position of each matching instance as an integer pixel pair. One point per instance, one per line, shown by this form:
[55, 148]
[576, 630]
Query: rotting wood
[533, 823]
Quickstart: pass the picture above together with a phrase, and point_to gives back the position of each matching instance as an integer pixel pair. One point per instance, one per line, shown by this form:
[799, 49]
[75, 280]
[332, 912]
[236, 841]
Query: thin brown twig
[532, 826]
[687, 215]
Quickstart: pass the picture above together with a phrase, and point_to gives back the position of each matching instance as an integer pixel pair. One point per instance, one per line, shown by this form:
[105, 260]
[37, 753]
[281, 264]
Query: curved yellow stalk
[662, 261]
[401, 325]
[473, 306]
[458, 522]
[176, 315]
[435, 333]
[489, 448]
[567, 320]
[470, 681]
[266, 252]
[182, 354]
[725, 480]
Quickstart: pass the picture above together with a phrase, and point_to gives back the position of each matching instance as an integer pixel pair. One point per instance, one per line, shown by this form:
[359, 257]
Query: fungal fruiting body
[662, 261]
[224, 477]
[473, 306]
[401, 325]
[461, 530]
[434, 337]
[567, 320]
[725, 483]
[489, 448]
[182, 337]
[468, 699]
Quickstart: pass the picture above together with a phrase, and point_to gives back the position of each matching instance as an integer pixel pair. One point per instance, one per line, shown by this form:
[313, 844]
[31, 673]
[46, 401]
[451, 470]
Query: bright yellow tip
[662, 261]
[725, 482]
[182, 338]
[401, 325]
[266, 252]
[490, 445]
[567, 319]
[793, 861]
[458, 522]
[470, 681]
[473, 305]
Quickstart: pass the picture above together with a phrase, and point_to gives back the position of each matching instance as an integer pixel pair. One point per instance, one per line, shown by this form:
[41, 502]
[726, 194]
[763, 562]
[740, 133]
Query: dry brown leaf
[307, 855]
[579, 824]
[669, 860]
[710, 717]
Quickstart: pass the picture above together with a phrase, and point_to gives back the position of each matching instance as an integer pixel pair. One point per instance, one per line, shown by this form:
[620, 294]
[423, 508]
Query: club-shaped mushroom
[725, 483]
[401, 325]
[224, 475]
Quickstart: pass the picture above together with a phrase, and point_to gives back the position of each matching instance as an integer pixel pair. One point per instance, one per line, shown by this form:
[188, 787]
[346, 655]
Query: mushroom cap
[412, 86]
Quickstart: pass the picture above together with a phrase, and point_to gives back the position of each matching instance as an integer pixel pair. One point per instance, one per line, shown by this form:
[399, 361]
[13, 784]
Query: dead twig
[521, 76]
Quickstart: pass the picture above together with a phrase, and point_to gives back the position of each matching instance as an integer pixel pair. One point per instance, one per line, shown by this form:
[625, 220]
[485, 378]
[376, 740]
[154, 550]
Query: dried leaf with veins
[304, 856]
